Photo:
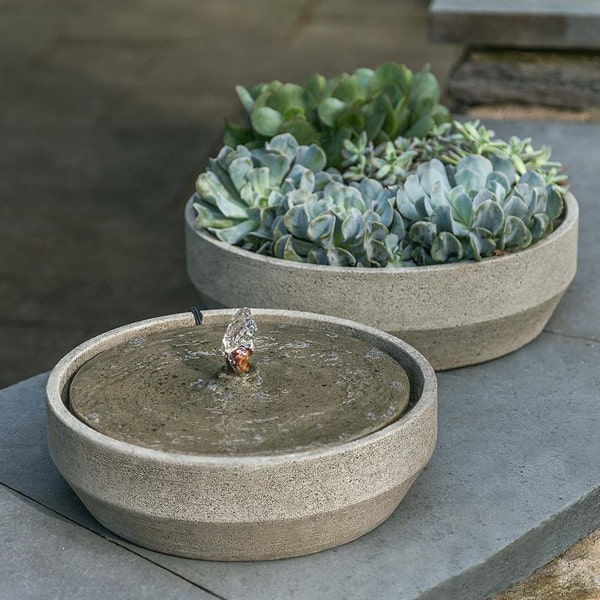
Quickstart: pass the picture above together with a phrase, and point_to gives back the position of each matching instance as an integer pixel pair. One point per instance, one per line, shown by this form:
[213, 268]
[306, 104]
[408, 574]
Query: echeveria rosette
[475, 210]
[384, 103]
[340, 225]
[238, 196]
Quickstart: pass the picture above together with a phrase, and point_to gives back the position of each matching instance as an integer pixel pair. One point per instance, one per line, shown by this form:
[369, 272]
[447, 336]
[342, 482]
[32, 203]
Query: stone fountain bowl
[455, 314]
[243, 507]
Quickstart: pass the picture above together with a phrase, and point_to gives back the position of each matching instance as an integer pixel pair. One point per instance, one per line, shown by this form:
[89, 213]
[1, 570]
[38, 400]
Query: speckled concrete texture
[42, 551]
[244, 507]
[456, 315]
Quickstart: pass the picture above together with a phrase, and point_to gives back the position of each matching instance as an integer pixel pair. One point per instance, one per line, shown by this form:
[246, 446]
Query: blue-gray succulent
[278, 200]
[341, 225]
[238, 196]
[477, 209]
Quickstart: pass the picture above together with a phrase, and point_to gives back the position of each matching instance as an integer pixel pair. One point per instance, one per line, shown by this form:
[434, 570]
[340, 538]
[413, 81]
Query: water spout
[238, 341]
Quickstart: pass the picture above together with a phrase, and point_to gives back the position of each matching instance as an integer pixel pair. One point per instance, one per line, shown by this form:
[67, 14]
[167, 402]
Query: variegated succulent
[392, 161]
[340, 225]
[479, 208]
[384, 103]
[238, 197]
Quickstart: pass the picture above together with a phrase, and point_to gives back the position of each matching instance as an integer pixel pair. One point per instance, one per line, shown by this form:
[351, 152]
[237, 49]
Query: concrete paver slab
[499, 498]
[43, 555]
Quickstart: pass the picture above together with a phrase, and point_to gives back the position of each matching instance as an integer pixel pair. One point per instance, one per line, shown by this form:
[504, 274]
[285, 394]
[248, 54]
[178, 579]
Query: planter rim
[61, 375]
[571, 216]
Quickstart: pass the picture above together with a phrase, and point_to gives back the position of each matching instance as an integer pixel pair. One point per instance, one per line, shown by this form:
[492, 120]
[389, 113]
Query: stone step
[517, 23]
[564, 80]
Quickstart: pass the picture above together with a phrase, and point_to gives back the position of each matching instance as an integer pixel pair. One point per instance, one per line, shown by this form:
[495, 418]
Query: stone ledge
[568, 80]
[517, 23]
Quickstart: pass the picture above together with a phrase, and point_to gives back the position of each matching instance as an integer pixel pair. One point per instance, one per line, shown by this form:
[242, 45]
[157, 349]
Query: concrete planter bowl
[243, 507]
[455, 314]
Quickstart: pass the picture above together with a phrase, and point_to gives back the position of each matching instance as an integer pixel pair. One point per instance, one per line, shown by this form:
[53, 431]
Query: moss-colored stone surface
[573, 576]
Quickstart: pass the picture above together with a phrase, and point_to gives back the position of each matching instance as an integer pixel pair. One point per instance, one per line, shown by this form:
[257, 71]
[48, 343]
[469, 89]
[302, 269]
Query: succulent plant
[384, 103]
[278, 200]
[340, 225]
[392, 161]
[479, 208]
[237, 198]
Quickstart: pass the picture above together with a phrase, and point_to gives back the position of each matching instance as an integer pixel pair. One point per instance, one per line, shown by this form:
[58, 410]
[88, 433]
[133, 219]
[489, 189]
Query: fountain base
[244, 507]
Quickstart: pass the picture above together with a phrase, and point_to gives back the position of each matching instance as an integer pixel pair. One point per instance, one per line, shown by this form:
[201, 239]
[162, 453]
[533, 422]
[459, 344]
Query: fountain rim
[61, 376]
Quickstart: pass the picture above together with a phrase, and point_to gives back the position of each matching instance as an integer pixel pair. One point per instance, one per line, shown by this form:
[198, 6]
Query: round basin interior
[308, 386]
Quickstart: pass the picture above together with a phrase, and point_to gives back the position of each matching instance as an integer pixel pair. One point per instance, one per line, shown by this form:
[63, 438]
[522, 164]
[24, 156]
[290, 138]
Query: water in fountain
[306, 387]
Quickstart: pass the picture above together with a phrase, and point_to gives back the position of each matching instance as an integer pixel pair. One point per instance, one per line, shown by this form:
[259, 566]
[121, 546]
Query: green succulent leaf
[516, 207]
[471, 181]
[533, 179]
[321, 229]
[398, 227]
[442, 218]
[312, 157]
[516, 234]
[316, 88]
[208, 217]
[284, 143]
[294, 113]
[212, 190]
[423, 233]
[245, 97]
[420, 128]
[504, 165]
[260, 181]
[483, 196]
[236, 233]
[301, 129]
[287, 96]
[236, 135]
[266, 121]
[462, 209]
[424, 90]
[495, 179]
[541, 225]
[446, 247]
[555, 203]
[238, 169]
[349, 90]
[390, 74]
[377, 253]
[489, 216]
[284, 249]
[353, 226]
[330, 109]
[296, 221]
[482, 243]
[373, 123]
[317, 256]
[338, 257]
